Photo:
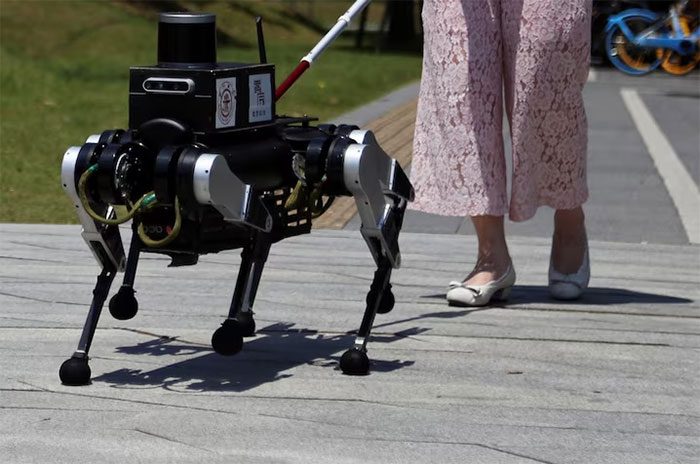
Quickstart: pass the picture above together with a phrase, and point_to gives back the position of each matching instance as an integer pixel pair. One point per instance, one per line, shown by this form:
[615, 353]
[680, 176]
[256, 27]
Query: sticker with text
[260, 90]
[225, 102]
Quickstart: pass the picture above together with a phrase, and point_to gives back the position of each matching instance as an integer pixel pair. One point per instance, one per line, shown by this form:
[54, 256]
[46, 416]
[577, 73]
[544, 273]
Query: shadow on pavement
[265, 358]
[451, 313]
[280, 347]
[601, 296]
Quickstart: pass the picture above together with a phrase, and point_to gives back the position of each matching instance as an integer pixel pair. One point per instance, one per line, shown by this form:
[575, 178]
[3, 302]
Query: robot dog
[206, 165]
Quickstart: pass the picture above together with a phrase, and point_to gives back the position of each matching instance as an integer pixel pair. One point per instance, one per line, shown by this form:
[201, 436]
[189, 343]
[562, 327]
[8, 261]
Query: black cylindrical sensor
[187, 39]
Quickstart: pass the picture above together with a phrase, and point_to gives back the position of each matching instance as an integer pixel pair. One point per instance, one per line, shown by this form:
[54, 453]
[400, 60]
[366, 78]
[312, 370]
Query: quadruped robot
[206, 165]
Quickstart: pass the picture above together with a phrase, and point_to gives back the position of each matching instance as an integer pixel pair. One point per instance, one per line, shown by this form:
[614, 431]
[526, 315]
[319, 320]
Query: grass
[64, 68]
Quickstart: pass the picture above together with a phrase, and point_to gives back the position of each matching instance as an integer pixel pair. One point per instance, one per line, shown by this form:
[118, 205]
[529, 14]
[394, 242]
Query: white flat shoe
[461, 294]
[570, 286]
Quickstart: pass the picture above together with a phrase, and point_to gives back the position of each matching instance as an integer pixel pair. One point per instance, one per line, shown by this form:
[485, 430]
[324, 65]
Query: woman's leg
[493, 258]
[546, 57]
[546, 46]
[568, 240]
[458, 166]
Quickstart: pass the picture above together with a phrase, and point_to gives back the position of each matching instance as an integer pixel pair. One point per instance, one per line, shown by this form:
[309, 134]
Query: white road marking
[683, 190]
[592, 75]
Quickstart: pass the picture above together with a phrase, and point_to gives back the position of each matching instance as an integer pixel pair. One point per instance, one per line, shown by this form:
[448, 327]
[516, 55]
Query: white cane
[333, 34]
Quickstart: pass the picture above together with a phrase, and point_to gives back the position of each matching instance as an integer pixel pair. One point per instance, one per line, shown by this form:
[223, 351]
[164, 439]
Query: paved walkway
[629, 199]
[610, 379]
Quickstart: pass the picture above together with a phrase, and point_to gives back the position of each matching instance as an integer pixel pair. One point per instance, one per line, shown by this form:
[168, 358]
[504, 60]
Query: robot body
[206, 166]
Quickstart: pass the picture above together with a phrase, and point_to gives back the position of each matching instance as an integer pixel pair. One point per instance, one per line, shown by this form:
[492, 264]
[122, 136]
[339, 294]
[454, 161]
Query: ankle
[568, 250]
[489, 267]
[493, 256]
[569, 228]
[569, 239]
[493, 260]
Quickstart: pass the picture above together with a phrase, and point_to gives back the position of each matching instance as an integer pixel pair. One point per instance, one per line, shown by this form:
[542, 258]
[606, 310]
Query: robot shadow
[268, 357]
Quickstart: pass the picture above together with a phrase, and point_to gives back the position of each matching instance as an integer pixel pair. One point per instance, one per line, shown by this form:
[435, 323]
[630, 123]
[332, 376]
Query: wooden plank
[394, 132]
[391, 116]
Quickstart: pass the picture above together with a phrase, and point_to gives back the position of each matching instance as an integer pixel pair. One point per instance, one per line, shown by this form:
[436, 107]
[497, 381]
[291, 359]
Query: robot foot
[228, 339]
[75, 371]
[123, 305]
[246, 322]
[355, 362]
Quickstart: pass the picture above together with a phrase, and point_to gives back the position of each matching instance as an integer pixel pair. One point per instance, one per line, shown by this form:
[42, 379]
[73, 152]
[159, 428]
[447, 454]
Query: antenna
[261, 39]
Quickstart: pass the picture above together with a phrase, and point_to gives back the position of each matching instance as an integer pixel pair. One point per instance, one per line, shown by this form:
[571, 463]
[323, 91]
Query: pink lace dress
[533, 53]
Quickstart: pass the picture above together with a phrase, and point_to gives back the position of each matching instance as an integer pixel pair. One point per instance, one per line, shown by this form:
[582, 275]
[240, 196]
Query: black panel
[186, 40]
[195, 109]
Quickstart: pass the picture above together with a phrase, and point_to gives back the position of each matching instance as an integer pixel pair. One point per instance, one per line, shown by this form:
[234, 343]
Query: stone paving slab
[612, 378]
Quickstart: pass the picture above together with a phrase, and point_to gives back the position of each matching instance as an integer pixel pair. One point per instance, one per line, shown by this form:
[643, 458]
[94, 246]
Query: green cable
[146, 201]
[148, 241]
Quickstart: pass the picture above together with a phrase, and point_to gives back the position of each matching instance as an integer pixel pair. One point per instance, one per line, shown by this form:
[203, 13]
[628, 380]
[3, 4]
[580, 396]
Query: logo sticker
[260, 93]
[225, 102]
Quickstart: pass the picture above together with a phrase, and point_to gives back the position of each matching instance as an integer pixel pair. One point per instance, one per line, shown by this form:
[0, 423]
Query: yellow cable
[82, 193]
[301, 195]
[147, 201]
[294, 199]
[148, 241]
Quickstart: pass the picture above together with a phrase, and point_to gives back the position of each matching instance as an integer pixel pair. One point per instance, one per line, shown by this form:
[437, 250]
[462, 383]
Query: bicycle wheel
[673, 62]
[627, 57]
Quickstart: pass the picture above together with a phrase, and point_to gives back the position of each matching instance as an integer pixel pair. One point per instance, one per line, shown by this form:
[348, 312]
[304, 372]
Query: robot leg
[381, 190]
[228, 339]
[106, 245]
[75, 370]
[123, 305]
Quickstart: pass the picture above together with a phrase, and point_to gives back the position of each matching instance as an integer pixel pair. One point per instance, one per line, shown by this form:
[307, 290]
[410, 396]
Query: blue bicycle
[638, 41]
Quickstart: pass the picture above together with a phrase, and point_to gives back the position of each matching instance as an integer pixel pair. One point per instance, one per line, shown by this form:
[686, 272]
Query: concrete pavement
[612, 378]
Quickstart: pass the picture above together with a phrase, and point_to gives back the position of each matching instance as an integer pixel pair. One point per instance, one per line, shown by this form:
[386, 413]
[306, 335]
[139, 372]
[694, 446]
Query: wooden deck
[394, 131]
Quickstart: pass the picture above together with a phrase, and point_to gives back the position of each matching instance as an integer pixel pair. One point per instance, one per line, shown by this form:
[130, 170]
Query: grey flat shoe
[461, 294]
[570, 286]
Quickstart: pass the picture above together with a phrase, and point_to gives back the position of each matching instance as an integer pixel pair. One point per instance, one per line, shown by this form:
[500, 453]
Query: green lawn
[64, 70]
